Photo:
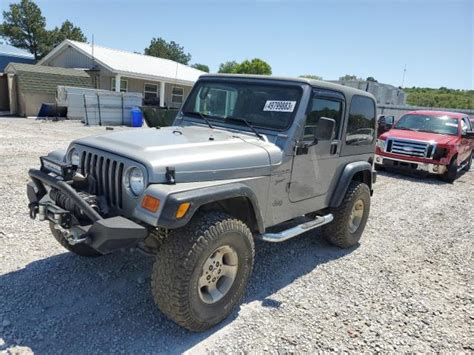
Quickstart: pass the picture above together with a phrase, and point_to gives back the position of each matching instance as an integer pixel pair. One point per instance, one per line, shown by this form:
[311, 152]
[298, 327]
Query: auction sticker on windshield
[279, 106]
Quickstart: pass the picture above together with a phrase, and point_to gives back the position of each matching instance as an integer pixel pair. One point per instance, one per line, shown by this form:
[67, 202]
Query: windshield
[266, 106]
[430, 124]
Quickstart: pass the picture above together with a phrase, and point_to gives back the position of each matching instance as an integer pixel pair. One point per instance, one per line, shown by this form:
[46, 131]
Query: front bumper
[103, 234]
[410, 165]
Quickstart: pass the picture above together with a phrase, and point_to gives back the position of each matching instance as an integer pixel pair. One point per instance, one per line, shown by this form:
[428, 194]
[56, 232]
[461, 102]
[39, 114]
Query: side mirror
[390, 120]
[386, 121]
[468, 134]
[325, 130]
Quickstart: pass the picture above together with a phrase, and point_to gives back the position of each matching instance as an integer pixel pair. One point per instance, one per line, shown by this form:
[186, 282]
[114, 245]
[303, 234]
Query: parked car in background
[437, 142]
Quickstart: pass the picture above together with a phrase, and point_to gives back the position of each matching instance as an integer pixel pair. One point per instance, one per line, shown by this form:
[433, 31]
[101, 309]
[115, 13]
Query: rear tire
[201, 270]
[80, 249]
[350, 217]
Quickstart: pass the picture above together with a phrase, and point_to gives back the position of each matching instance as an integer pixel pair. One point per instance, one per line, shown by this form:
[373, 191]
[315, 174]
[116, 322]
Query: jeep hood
[419, 136]
[197, 153]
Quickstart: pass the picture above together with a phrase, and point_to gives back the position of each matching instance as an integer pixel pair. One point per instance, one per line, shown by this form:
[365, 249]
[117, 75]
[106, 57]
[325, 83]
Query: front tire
[80, 249]
[452, 173]
[350, 218]
[202, 270]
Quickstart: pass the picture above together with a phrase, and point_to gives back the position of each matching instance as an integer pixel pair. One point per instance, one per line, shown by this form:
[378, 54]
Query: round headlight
[136, 181]
[74, 157]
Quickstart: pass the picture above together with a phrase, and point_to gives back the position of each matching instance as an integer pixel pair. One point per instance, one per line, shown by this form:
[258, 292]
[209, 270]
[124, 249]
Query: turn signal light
[182, 209]
[150, 203]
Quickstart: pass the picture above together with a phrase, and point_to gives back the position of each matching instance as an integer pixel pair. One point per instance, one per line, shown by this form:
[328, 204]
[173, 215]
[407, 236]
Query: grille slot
[107, 174]
[410, 148]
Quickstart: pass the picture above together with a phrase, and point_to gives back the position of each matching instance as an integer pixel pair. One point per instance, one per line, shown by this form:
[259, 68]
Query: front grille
[107, 174]
[410, 148]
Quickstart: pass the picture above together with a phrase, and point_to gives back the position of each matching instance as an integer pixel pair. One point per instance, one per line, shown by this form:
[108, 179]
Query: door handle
[334, 146]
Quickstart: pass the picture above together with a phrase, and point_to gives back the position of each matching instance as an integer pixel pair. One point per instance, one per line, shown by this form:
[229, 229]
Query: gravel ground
[407, 287]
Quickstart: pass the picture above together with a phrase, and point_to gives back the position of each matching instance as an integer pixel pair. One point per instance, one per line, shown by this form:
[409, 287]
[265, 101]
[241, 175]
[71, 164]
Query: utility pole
[403, 78]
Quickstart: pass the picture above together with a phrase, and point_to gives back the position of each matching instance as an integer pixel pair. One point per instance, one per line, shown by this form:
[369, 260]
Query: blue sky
[327, 38]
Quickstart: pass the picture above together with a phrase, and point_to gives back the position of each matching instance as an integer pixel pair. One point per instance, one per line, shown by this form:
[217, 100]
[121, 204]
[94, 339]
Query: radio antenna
[93, 59]
[403, 78]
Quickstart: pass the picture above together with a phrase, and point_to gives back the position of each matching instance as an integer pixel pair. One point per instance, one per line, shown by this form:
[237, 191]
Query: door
[466, 144]
[314, 166]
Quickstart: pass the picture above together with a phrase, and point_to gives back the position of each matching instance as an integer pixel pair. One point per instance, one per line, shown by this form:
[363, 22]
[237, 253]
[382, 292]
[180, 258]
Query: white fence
[98, 107]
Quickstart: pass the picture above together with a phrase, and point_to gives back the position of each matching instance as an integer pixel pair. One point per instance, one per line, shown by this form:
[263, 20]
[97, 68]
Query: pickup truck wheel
[80, 249]
[452, 173]
[350, 218]
[201, 270]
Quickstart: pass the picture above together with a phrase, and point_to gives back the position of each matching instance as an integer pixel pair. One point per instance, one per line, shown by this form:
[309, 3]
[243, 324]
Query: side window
[464, 126]
[322, 107]
[151, 94]
[466, 122]
[123, 85]
[361, 124]
[177, 95]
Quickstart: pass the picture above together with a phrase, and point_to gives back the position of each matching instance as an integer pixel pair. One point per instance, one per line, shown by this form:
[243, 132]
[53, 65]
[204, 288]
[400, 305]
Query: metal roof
[45, 80]
[10, 54]
[5, 60]
[132, 64]
[10, 51]
[16, 67]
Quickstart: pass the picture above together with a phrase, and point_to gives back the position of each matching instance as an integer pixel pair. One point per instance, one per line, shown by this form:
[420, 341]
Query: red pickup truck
[437, 142]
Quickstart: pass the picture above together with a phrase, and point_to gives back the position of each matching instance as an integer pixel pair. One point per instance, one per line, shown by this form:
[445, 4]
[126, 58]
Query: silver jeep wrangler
[248, 157]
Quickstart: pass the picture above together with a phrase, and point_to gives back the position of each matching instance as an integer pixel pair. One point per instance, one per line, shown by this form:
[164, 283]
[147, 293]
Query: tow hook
[73, 238]
[33, 206]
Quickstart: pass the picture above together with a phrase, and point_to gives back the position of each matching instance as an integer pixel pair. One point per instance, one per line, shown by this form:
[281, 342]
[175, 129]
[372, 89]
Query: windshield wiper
[247, 123]
[203, 116]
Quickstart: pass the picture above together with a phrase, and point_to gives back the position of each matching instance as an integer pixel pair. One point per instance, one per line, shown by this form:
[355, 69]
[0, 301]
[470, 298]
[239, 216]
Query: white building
[163, 82]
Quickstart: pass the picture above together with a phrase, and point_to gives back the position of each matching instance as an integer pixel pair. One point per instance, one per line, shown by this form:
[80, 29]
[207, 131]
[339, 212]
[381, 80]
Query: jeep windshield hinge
[170, 175]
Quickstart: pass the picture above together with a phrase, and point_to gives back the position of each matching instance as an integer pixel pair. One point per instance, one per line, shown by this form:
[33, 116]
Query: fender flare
[345, 179]
[203, 196]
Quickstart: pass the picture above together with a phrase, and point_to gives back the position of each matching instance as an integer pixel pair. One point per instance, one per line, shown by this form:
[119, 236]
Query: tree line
[442, 97]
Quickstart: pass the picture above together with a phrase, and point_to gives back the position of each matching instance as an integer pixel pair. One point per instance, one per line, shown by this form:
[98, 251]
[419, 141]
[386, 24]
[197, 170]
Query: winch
[64, 201]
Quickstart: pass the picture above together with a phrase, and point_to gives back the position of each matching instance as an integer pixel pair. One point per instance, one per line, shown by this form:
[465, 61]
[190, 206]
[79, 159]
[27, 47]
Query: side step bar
[297, 230]
[463, 165]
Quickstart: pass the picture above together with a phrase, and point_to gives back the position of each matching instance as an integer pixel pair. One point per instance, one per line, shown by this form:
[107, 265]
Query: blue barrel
[137, 117]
